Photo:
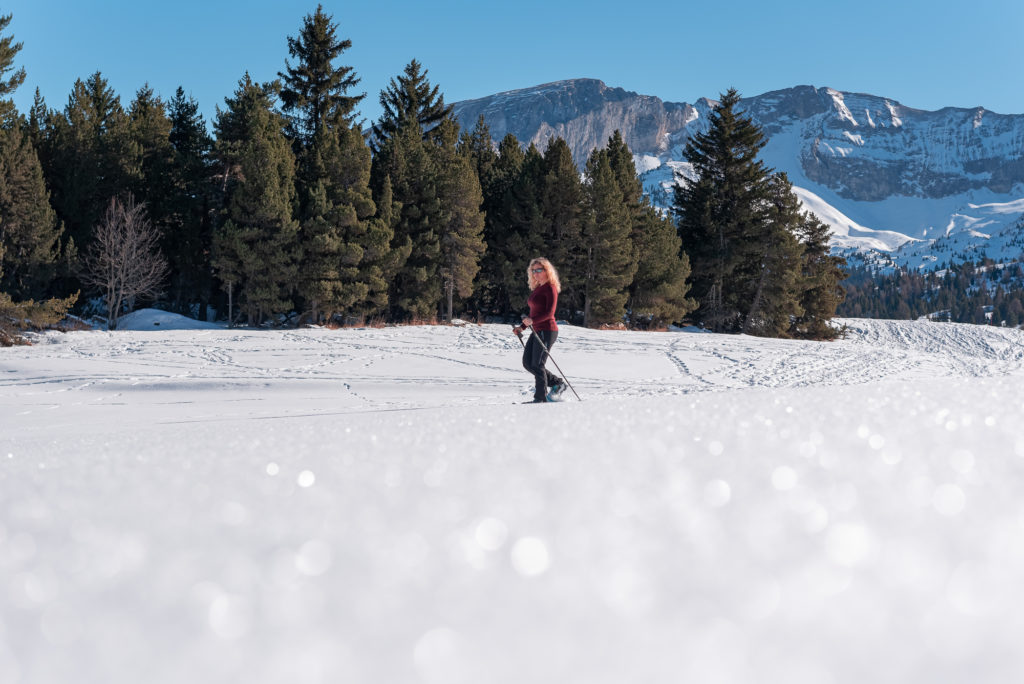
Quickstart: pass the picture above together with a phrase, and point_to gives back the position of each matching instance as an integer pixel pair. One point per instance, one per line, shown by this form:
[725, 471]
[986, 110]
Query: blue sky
[925, 54]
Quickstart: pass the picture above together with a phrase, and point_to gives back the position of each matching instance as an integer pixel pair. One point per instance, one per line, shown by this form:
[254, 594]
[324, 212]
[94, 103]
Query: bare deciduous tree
[124, 260]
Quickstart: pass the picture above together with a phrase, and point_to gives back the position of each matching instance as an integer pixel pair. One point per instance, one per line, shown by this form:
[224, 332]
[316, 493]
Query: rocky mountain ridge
[884, 175]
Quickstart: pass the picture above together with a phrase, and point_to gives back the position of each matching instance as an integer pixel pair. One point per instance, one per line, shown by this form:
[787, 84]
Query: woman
[544, 288]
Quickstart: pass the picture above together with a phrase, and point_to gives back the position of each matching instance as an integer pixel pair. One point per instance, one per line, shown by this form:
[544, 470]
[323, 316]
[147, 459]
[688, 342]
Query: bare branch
[124, 260]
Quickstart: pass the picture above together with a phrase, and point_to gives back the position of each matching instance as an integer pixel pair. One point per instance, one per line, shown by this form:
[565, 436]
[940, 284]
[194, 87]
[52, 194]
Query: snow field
[372, 505]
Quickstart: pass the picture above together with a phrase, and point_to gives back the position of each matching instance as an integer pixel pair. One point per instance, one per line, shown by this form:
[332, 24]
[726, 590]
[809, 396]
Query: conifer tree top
[315, 90]
[410, 98]
[8, 50]
[8, 84]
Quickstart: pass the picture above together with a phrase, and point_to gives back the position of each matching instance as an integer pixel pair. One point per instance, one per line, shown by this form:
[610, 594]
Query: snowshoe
[555, 393]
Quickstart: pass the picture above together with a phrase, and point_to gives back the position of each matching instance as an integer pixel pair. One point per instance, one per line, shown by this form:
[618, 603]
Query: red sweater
[542, 303]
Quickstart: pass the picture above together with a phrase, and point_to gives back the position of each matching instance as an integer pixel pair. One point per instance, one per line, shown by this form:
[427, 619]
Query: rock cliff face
[879, 172]
[584, 112]
[863, 147]
[870, 148]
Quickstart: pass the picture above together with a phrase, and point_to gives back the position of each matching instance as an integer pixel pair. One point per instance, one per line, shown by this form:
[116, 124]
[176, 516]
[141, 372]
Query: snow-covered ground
[376, 506]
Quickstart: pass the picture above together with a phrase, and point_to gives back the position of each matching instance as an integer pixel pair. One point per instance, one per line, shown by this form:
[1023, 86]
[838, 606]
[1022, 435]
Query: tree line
[292, 210]
[986, 293]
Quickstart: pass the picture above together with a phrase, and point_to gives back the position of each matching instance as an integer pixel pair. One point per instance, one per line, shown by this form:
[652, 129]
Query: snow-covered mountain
[898, 185]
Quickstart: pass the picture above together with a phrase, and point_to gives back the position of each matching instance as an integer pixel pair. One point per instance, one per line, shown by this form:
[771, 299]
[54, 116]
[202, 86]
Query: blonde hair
[531, 279]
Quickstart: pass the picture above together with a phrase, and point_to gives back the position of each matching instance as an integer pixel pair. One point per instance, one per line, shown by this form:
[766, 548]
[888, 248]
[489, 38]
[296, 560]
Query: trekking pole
[548, 351]
[519, 334]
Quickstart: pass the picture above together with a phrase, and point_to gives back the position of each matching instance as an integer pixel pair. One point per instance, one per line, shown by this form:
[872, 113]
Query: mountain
[897, 185]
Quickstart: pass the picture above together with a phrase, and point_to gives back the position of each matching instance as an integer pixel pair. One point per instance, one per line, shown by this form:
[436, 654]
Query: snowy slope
[374, 506]
[910, 230]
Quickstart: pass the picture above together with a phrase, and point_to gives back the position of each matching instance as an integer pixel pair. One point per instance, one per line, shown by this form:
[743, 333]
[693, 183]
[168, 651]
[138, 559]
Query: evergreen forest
[985, 293]
[288, 209]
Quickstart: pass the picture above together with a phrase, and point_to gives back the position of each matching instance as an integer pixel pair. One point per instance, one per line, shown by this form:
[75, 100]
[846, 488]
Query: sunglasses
[537, 270]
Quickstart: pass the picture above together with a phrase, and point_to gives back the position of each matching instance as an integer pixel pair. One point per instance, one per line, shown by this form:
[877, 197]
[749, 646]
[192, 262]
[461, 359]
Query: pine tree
[336, 229]
[89, 156]
[462, 220]
[409, 163]
[658, 294]
[342, 265]
[771, 276]
[382, 255]
[479, 147]
[821, 275]
[561, 207]
[518, 228]
[8, 84]
[256, 247]
[150, 130]
[405, 142]
[38, 121]
[29, 230]
[410, 96]
[315, 91]
[610, 260]
[187, 223]
[720, 214]
[492, 291]
[621, 160]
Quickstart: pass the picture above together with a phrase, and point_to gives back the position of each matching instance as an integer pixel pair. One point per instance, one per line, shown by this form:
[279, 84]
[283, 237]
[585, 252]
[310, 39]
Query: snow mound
[154, 319]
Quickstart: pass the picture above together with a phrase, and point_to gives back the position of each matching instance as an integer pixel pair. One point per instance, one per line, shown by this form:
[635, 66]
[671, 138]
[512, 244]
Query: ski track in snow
[373, 505]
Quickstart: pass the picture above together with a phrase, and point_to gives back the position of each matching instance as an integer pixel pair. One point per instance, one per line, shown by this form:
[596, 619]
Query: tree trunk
[450, 294]
[756, 303]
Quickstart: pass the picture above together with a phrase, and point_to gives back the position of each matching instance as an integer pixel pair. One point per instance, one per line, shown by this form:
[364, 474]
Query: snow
[374, 505]
[847, 233]
[912, 151]
[645, 163]
[152, 319]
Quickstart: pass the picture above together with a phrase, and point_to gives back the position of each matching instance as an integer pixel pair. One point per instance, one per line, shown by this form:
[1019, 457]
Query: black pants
[534, 358]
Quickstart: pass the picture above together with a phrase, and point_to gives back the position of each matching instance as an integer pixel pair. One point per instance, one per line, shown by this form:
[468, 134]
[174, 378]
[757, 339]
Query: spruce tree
[493, 291]
[383, 256]
[315, 90]
[29, 230]
[8, 84]
[478, 145]
[38, 121]
[341, 234]
[314, 96]
[462, 220]
[256, 248]
[770, 278]
[336, 227]
[518, 228]
[561, 207]
[410, 96]
[658, 293]
[187, 222]
[621, 160]
[608, 249]
[150, 130]
[89, 156]
[405, 141]
[720, 214]
[408, 162]
[821, 275]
